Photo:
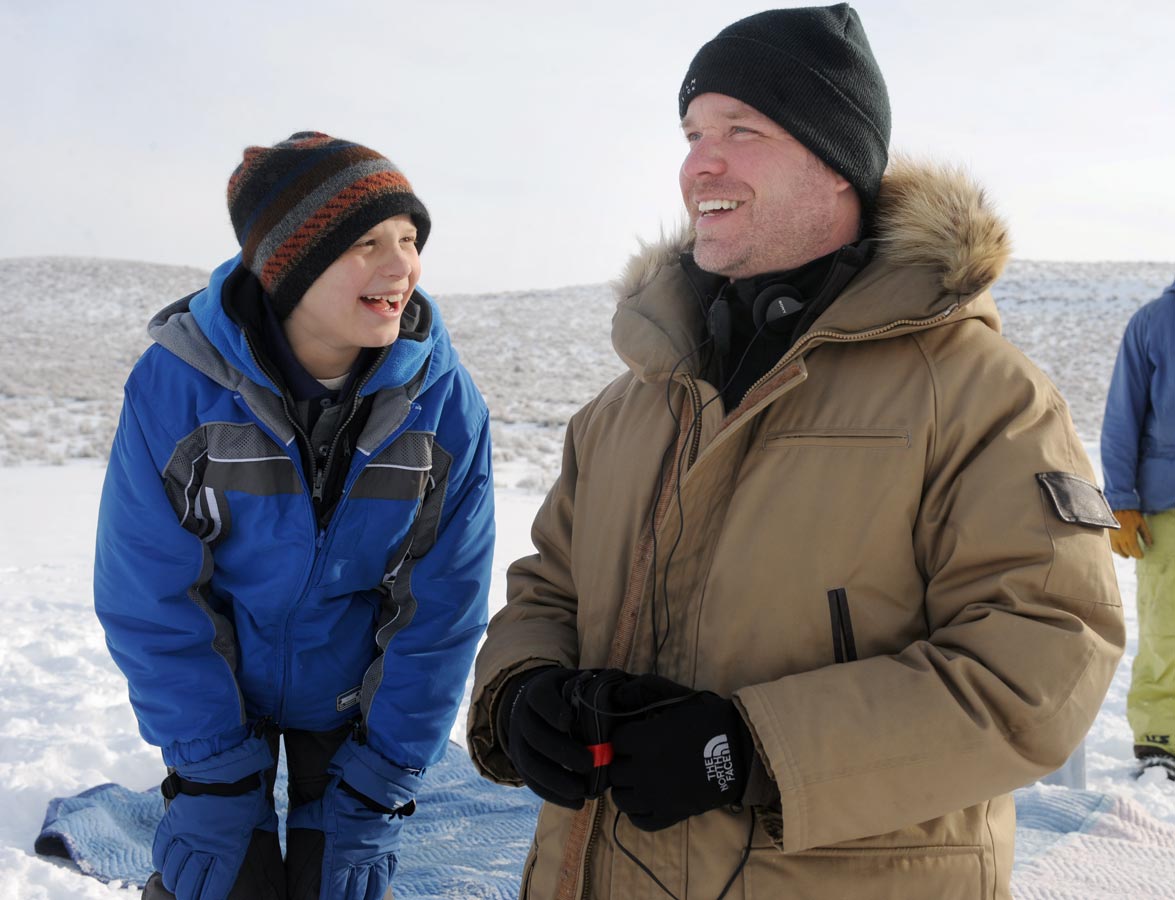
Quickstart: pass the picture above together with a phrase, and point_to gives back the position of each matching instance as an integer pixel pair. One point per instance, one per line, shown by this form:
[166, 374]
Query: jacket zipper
[622, 641]
[585, 893]
[315, 484]
[841, 337]
[318, 532]
[290, 417]
[695, 396]
[320, 478]
[696, 440]
[844, 647]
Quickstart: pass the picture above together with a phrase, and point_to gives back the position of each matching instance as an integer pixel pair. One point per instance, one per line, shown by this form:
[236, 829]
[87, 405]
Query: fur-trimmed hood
[940, 246]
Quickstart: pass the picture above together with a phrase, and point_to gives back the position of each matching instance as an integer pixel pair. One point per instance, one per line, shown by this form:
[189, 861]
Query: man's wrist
[761, 789]
[507, 696]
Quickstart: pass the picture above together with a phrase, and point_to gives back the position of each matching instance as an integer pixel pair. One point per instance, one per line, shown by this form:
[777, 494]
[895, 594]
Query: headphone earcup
[774, 304]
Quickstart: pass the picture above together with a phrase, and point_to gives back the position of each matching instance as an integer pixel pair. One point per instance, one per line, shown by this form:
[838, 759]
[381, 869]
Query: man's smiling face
[758, 199]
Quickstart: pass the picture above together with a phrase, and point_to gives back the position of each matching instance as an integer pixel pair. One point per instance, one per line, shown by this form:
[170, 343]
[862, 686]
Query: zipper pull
[319, 484]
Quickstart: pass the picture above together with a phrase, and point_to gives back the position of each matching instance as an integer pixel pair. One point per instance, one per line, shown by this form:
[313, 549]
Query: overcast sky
[543, 136]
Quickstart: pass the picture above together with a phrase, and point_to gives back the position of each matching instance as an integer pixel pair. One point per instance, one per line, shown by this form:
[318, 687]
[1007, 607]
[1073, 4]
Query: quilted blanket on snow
[469, 837]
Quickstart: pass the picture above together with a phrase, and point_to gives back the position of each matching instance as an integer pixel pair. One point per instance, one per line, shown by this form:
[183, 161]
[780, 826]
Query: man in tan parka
[825, 574]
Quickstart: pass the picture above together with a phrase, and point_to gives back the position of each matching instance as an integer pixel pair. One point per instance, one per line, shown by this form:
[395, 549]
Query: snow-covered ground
[65, 723]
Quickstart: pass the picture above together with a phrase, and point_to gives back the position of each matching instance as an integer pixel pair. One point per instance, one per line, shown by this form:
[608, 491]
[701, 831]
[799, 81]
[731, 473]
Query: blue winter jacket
[1138, 431]
[223, 600]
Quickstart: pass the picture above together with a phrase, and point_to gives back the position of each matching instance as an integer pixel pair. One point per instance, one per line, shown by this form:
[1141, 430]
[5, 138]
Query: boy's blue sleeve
[412, 692]
[165, 629]
[1126, 405]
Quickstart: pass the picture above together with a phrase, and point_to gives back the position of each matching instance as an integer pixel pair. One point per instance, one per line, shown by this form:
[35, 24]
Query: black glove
[688, 754]
[535, 717]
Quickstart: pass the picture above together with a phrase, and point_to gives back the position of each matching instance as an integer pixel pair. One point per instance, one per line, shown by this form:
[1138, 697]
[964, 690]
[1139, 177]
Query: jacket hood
[939, 245]
[200, 331]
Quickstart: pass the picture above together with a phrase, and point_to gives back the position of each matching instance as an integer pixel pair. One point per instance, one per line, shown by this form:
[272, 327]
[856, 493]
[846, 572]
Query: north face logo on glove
[719, 764]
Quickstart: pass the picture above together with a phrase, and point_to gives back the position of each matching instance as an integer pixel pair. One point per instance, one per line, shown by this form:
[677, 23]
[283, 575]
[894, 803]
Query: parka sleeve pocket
[1076, 500]
[1081, 565]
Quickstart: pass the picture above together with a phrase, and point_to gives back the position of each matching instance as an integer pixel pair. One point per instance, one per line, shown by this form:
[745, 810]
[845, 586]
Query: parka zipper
[696, 400]
[622, 641]
[842, 337]
[691, 455]
[585, 893]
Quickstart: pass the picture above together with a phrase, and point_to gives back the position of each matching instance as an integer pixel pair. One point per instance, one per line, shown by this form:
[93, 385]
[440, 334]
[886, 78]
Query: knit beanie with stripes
[298, 205]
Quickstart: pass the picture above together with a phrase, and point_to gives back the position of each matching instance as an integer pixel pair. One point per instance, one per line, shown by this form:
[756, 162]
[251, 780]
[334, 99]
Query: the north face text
[719, 764]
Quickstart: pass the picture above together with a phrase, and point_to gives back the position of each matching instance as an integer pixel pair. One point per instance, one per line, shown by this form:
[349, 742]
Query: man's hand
[536, 718]
[686, 753]
[1125, 541]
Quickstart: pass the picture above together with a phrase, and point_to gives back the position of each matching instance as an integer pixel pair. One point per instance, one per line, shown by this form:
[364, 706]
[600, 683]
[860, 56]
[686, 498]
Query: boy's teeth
[711, 205]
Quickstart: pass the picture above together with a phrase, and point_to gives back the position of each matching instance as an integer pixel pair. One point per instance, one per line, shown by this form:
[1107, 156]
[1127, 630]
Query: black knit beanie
[298, 205]
[810, 70]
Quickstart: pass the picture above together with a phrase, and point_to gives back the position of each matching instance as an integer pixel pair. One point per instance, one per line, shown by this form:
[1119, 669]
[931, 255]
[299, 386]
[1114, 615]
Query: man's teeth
[706, 206]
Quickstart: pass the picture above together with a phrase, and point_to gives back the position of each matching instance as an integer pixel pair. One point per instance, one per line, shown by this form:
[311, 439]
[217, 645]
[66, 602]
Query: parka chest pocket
[400, 472]
[847, 438]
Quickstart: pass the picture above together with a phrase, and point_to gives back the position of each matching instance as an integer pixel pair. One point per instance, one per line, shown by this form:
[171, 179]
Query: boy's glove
[688, 754]
[216, 805]
[1125, 541]
[360, 816]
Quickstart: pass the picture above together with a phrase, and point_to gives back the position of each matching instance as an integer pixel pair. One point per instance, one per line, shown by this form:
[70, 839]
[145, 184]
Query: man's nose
[704, 158]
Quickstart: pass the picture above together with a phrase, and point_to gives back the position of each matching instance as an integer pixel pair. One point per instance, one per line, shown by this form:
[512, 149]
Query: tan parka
[894, 453]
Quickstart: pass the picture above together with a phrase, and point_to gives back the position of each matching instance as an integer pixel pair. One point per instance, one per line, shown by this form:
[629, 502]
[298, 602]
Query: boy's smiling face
[357, 301]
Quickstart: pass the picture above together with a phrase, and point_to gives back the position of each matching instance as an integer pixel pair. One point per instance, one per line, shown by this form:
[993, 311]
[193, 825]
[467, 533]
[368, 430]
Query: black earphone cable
[659, 641]
[659, 644]
[657, 881]
[647, 708]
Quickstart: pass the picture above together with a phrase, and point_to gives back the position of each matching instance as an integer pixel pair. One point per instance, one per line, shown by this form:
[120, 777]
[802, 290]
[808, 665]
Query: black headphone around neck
[772, 311]
[774, 304]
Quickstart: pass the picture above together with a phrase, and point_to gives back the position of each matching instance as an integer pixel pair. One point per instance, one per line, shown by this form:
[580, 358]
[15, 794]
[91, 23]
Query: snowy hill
[73, 328]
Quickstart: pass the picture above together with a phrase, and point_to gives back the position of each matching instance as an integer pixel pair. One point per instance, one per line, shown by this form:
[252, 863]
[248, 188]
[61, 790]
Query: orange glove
[1125, 541]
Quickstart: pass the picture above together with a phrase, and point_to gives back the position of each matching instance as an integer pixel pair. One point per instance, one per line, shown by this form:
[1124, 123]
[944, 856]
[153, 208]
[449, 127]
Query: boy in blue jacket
[1138, 461]
[296, 533]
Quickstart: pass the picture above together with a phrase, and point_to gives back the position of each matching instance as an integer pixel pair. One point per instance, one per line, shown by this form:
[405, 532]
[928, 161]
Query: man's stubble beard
[781, 248]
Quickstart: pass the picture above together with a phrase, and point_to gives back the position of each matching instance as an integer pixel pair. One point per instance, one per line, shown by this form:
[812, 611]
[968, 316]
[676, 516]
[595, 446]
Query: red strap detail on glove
[601, 754]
